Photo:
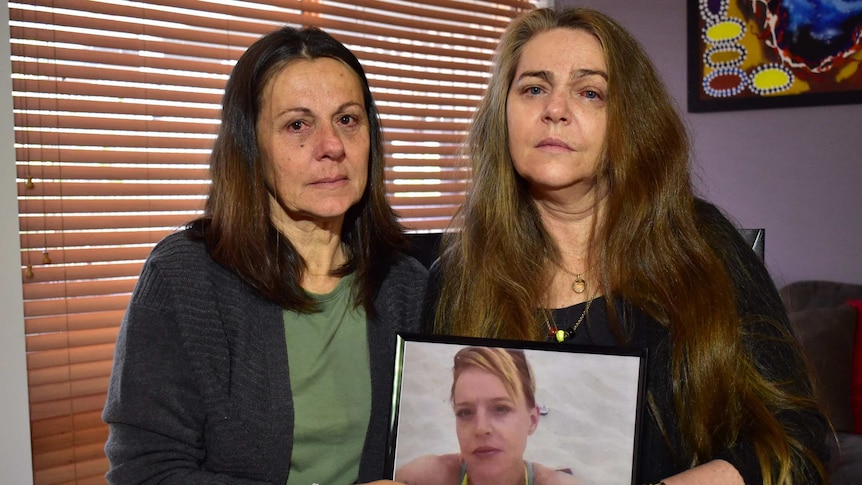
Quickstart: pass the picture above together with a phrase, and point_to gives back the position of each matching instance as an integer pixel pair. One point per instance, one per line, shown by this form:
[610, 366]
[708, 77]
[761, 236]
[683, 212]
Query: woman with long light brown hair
[582, 226]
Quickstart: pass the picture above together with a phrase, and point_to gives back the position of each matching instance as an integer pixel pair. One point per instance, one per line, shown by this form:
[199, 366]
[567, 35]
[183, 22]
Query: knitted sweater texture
[200, 391]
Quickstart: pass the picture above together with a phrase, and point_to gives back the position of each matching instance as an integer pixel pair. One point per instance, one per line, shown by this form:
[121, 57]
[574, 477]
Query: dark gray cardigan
[200, 390]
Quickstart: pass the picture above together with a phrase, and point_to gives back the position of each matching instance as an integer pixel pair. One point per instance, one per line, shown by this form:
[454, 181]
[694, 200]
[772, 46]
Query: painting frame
[610, 382]
[748, 94]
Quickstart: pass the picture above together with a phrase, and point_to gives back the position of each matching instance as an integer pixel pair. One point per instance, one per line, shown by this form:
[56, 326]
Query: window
[116, 104]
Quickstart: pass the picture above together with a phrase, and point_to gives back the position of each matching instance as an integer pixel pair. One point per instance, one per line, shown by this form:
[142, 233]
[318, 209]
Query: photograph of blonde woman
[508, 429]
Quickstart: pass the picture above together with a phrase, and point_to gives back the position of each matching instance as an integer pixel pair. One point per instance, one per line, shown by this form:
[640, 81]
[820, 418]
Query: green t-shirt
[330, 378]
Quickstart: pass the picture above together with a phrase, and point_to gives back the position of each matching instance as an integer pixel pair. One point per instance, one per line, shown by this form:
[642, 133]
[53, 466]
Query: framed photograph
[459, 408]
[749, 54]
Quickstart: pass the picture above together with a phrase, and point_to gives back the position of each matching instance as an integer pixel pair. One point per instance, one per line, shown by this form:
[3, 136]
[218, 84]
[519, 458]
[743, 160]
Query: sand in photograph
[590, 426]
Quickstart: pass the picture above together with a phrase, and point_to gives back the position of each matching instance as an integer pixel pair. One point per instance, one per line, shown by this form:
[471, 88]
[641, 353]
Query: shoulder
[406, 279]
[714, 224]
[179, 246]
[178, 257]
[756, 293]
[431, 470]
[180, 267]
[544, 475]
[724, 237]
[408, 268]
[398, 300]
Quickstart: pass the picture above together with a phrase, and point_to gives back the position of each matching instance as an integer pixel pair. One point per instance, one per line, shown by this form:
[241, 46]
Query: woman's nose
[557, 108]
[329, 144]
[483, 424]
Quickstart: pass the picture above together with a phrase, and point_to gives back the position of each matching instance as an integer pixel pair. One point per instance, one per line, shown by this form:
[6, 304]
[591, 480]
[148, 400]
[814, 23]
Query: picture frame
[592, 398]
[752, 54]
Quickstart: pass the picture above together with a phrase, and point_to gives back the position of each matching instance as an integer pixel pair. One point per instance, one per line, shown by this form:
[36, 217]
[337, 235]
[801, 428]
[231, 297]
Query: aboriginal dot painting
[758, 53]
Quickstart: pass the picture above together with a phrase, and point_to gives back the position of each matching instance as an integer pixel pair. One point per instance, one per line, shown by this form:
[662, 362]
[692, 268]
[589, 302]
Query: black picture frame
[729, 64]
[594, 398]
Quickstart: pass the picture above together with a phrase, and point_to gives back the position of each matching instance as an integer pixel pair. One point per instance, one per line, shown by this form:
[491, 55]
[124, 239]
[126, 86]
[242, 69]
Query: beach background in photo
[591, 399]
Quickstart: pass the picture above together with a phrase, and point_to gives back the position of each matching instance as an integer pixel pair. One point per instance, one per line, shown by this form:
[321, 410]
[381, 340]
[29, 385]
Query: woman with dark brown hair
[259, 343]
[582, 226]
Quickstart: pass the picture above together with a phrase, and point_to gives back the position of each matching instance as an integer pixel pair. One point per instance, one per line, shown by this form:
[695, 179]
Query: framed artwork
[749, 54]
[583, 422]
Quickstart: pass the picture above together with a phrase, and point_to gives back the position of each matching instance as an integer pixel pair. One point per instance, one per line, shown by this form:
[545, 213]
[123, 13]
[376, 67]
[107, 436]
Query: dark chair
[425, 246]
[755, 239]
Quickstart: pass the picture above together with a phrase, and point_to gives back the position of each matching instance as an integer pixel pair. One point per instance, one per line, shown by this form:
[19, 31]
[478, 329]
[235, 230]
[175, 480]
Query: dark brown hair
[652, 251]
[236, 224]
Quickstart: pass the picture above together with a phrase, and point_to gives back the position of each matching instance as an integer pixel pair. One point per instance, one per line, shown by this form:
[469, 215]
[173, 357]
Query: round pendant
[561, 336]
[579, 285]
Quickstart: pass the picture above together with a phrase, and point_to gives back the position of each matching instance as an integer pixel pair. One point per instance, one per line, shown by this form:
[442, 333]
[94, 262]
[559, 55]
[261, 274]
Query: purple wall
[795, 171]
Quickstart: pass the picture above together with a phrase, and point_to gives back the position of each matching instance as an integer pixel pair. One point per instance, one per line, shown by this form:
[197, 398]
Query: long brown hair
[236, 224]
[651, 250]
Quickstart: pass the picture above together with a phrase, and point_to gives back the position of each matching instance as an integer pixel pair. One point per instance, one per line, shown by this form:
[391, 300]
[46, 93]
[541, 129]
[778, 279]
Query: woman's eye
[502, 409]
[295, 125]
[463, 413]
[534, 90]
[346, 119]
[590, 94]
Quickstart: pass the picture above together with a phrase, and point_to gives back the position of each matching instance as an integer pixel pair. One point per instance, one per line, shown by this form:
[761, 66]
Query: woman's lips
[554, 144]
[330, 182]
[485, 451]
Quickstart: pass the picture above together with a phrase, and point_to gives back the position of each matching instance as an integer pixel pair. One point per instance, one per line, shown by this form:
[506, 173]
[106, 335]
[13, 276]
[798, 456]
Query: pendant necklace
[579, 285]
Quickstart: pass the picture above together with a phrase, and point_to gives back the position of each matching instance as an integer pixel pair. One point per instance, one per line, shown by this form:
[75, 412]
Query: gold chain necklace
[563, 335]
[580, 284]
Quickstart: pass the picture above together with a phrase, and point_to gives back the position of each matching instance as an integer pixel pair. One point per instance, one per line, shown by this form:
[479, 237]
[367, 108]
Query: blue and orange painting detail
[770, 48]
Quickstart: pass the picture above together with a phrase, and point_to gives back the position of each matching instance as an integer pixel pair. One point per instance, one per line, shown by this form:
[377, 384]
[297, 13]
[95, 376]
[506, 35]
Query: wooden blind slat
[66, 256]
[106, 156]
[47, 409]
[59, 452]
[117, 172]
[452, 13]
[110, 205]
[75, 87]
[105, 189]
[124, 140]
[53, 375]
[48, 358]
[59, 222]
[78, 338]
[73, 305]
[414, 160]
[128, 106]
[424, 102]
[75, 322]
[451, 187]
[79, 288]
[65, 424]
[104, 270]
[48, 393]
[73, 239]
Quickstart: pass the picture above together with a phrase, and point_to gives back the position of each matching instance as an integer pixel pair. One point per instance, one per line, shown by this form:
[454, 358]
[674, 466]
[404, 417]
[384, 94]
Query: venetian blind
[116, 104]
